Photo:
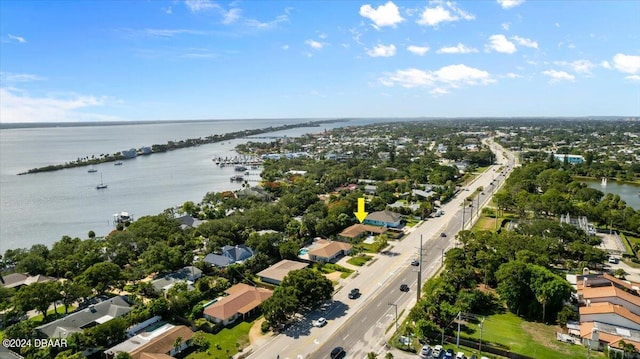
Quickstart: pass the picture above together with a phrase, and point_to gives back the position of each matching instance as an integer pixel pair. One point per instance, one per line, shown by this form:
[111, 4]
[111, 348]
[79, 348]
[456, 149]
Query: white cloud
[17, 106]
[525, 42]
[458, 49]
[442, 80]
[627, 63]
[231, 16]
[418, 50]
[314, 44]
[19, 39]
[432, 16]
[169, 32]
[558, 75]
[578, 66]
[606, 65]
[167, 10]
[15, 77]
[500, 43]
[508, 4]
[512, 75]
[384, 15]
[199, 5]
[557, 24]
[633, 78]
[269, 24]
[382, 51]
[506, 26]
[285, 47]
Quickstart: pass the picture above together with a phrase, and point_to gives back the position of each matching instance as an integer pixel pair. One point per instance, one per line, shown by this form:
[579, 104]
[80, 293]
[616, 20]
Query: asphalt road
[360, 325]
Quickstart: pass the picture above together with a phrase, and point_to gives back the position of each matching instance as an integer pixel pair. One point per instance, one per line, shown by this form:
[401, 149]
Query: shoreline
[173, 145]
[594, 179]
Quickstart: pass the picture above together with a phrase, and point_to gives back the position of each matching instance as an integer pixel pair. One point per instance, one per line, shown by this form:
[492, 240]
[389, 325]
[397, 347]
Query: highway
[360, 325]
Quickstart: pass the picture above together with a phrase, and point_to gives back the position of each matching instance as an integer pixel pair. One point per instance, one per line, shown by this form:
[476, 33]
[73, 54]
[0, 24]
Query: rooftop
[242, 298]
[279, 270]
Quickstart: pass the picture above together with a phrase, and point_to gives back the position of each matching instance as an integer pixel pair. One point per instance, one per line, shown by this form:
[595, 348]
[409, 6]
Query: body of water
[43, 207]
[627, 192]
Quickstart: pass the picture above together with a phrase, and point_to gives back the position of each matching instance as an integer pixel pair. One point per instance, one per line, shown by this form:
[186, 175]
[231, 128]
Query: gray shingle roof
[384, 216]
[77, 321]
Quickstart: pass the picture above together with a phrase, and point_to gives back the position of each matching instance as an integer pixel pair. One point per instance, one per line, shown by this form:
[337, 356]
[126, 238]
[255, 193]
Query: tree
[71, 292]
[101, 276]
[177, 344]
[389, 355]
[311, 287]
[38, 296]
[280, 306]
[123, 355]
[199, 340]
[372, 355]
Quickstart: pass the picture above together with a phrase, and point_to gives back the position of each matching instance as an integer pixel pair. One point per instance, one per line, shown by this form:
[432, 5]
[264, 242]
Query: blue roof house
[384, 219]
[230, 255]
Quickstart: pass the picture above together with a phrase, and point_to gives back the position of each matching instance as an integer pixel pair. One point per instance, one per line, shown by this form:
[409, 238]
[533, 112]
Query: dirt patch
[334, 277]
[543, 334]
[255, 333]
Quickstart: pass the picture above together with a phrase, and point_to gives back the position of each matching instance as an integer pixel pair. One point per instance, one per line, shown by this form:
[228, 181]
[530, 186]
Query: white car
[437, 350]
[321, 322]
[425, 352]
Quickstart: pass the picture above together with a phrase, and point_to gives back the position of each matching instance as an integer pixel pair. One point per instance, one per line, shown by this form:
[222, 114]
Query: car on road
[425, 352]
[443, 234]
[354, 293]
[613, 260]
[415, 263]
[404, 288]
[320, 322]
[337, 352]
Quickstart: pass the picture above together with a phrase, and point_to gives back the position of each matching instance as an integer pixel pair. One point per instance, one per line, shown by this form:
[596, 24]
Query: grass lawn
[484, 224]
[359, 260]
[230, 341]
[38, 318]
[368, 247]
[410, 222]
[533, 339]
[627, 240]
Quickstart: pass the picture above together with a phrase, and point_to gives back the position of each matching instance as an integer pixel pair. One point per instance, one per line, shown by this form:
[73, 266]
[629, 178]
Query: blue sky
[172, 60]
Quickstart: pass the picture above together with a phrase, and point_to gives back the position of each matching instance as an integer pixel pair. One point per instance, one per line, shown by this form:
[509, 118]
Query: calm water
[41, 208]
[627, 192]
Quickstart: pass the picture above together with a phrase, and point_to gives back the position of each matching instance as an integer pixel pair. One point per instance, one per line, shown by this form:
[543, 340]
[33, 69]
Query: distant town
[479, 238]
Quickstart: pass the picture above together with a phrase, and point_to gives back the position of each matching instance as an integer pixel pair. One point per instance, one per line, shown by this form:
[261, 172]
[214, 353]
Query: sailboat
[92, 169]
[101, 185]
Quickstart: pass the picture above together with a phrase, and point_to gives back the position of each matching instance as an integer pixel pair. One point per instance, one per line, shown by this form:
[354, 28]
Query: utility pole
[458, 337]
[396, 306]
[481, 328]
[419, 271]
[464, 204]
[478, 206]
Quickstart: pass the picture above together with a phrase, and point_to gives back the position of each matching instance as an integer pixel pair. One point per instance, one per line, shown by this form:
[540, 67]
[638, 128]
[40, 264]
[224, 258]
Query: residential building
[571, 159]
[384, 219]
[359, 230]
[230, 255]
[611, 314]
[17, 280]
[80, 320]
[328, 251]
[154, 344]
[242, 301]
[186, 275]
[276, 273]
[188, 221]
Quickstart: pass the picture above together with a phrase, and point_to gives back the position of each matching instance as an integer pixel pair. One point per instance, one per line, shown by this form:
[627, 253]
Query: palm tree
[389, 355]
[372, 355]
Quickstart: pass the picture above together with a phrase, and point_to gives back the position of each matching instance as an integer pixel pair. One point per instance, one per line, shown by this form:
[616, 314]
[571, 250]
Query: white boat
[101, 185]
[92, 169]
[118, 163]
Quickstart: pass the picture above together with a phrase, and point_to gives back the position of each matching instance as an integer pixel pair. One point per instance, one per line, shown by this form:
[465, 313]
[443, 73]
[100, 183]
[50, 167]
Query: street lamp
[396, 306]
[481, 328]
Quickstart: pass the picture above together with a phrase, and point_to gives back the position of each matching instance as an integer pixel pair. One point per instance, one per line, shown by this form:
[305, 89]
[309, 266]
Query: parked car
[461, 355]
[415, 263]
[354, 293]
[443, 234]
[449, 354]
[613, 260]
[404, 288]
[337, 352]
[425, 351]
[437, 350]
[320, 322]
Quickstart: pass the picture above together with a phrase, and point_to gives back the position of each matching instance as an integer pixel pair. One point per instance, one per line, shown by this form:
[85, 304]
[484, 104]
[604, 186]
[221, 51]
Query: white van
[425, 352]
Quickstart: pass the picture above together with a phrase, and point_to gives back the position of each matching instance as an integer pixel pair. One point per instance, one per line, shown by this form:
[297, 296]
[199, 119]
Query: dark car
[415, 263]
[449, 354]
[404, 288]
[355, 293]
[337, 352]
[443, 234]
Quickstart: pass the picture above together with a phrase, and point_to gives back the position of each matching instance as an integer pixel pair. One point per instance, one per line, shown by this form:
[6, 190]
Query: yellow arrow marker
[361, 214]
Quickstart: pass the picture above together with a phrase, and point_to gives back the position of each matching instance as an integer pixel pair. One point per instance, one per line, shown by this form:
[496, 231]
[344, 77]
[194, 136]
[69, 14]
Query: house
[158, 343]
[370, 189]
[242, 301]
[359, 230]
[597, 336]
[328, 251]
[611, 314]
[17, 280]
[384, 219]
[80, 320]
[186, 275]
[421, 193]
[254, 192]
[6, 353]
[571, 159]
[611, 294]
[230, 255]
[187, 221]
[276, 273]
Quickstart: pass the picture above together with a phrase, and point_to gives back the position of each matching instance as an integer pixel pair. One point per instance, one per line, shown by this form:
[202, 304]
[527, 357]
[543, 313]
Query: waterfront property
[276, 273]
[384, 219]
[80, 320]
[242, 301]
